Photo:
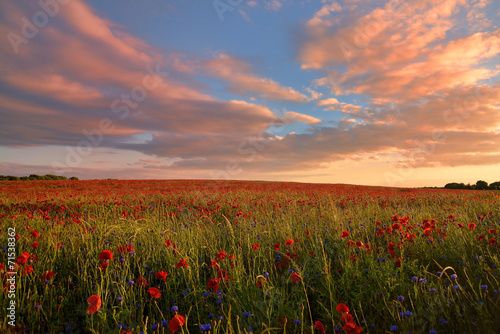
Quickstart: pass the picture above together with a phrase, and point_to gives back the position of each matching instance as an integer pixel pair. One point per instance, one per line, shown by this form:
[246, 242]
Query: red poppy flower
[289, 242]
[28, 270]
[154, 292]
[182, 263]
[34, 244]
[492, 241]
[213, 284]
[351, 328]
[48, 275]
[472, 226]
[35, 234]
[295, 278]
[346, 317]
[255, 246]
[21, 259]
[319, 326]
[342, 308]
[460, 225]
[395, 218]
[214, 264]
[492, 231]
[221, 255]
[141, 281]
[95, 304]
[103, 266]
[125, 249]
[345, 234]
[106, 255]
[168, 243]
[176, 323]
[162, 275]
[307, 232]
[277, 246]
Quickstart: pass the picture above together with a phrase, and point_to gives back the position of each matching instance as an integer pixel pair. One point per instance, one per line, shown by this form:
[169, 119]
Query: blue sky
[398, 93]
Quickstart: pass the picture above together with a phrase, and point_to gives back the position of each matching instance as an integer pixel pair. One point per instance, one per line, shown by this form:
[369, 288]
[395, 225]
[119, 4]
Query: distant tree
[454, 185]
[12, 178]
[481, 185]
[73, 178]
[34, 177]
[495, 185]
[2, 178]
[24, 178]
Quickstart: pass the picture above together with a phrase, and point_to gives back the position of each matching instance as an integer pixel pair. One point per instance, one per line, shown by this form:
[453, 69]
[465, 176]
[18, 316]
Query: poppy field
[114, 256]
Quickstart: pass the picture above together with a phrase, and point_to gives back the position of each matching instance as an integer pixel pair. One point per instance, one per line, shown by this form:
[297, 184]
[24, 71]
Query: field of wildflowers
[238, 257]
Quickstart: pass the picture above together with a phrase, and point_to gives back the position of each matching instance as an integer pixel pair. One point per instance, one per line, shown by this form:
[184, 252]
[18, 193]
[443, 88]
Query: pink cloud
[238, 74]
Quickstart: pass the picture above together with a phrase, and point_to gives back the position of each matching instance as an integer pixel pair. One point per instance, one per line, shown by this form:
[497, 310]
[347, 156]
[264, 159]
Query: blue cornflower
[394, 328]
[454, 276]
[205, 327]
[401, 298]
[174, 309]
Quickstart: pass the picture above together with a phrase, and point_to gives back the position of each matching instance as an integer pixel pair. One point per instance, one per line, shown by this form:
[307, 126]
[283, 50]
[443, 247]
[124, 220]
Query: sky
[387, 93]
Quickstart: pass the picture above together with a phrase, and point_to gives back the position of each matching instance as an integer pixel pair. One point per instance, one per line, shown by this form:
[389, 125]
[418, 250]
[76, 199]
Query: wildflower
[277, 246]
[345, 234]
[205, 327]
[162, 275]
[221, 255]
[453, 276]
[182, 263]
[342, 308]
[23, 258]
[394, 328]
[141, 281]
[401, 298]
[48, 275]
[351, 328]
[295, 278]
[346, 317]
[106, 255]
[154, 292]
[213, 284]
[255, 246]
[289, 242]
[95, 304]
[319, 326]
[176, 323]
[484, 287]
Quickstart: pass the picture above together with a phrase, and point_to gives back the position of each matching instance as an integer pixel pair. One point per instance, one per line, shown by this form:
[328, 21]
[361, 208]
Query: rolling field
[237, 257]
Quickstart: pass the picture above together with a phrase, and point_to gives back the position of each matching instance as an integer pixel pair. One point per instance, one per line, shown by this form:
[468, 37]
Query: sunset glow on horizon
[388, 93]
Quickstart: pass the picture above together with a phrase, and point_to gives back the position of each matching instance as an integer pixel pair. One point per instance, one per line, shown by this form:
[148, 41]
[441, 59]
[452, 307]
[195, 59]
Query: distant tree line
[480, 185]
[35, 177]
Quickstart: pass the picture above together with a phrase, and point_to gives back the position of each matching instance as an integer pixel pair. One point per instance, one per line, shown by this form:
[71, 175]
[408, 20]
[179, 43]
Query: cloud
[328, 102]
[273, 4]
[238, 74]
[302, 118]
[399, 50]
